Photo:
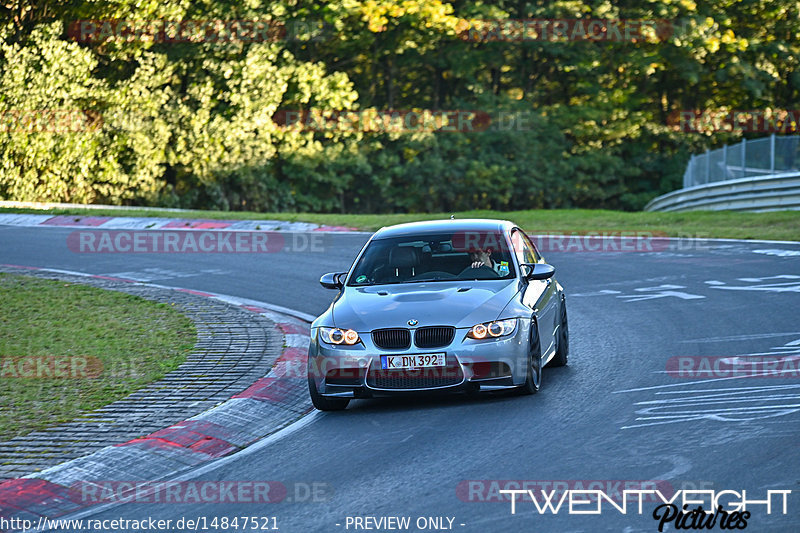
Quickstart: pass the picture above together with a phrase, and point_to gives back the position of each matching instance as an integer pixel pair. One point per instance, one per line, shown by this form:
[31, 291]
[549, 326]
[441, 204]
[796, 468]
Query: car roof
[443, 226]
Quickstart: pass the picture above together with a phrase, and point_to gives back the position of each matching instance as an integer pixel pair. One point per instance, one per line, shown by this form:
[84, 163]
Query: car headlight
[492, 330]
[339, 336]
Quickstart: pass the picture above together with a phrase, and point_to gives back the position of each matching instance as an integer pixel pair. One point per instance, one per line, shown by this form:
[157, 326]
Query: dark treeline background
[190, 124]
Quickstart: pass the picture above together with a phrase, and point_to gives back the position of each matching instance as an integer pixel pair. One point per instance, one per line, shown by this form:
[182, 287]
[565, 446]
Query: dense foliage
[190, 122]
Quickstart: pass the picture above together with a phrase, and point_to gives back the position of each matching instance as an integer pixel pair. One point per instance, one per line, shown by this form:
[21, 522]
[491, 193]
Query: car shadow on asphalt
[428, 401]
[422, 401]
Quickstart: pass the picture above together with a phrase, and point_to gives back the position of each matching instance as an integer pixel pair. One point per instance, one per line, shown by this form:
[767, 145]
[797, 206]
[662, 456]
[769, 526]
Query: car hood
[461, 304]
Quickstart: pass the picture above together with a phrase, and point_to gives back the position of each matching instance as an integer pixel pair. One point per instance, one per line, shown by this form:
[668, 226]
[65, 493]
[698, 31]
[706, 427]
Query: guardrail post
[744, 145]
[725, 162]
[687, 175]
[772, 154]
[708, 166]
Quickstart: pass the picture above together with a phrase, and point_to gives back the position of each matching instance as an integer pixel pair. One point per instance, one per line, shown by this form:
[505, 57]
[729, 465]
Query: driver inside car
[481, 257]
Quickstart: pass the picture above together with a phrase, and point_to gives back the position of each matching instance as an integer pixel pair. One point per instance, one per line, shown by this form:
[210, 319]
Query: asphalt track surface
[612, 415]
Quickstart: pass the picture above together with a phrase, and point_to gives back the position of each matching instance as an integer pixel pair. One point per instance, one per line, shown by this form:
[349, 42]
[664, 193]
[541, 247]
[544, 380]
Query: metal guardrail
[758, 175]
[762, 193]
[759, 157]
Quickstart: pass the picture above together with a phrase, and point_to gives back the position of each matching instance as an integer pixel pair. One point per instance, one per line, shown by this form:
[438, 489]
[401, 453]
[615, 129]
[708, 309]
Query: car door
[539, 295]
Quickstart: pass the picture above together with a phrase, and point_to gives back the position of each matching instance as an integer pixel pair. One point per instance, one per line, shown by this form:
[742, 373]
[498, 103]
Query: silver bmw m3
[446, 305]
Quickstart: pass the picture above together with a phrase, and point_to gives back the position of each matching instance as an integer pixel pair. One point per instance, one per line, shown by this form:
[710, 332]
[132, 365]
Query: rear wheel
[562, 341]
[325, 404]
[533, 379]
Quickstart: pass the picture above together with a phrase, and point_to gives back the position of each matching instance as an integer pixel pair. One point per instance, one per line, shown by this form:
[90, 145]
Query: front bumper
[355, 371]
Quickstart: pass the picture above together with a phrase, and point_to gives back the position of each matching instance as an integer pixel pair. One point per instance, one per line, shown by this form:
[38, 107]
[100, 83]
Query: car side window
[523, 248]
[532, 248]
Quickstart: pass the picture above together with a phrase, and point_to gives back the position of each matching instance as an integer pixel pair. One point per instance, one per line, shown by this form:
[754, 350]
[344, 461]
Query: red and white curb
[158, 223]
[273, 402]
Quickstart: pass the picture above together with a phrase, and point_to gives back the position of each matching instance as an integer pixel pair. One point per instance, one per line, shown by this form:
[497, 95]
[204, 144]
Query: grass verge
[775, 225]
[67, 348]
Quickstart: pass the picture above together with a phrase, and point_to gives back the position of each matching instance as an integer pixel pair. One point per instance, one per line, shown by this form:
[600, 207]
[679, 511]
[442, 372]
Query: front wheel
[562, 341]
[325, 404]
[533, 378]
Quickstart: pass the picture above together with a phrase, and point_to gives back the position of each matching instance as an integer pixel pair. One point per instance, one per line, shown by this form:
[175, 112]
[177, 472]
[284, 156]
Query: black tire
[325, 404]
[562, 342]
[533, 379]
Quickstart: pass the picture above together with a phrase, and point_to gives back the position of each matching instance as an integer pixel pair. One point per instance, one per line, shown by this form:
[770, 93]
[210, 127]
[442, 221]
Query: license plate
[402, 362]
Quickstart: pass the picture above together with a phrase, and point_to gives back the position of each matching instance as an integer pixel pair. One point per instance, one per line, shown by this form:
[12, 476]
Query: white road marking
[149, 274]
[789, 349]
[660, 291]
[767, 287]
[712, 417]
[716, 413]
[735, 404]
[780, 276]
[748, 337]
[672, 385]
[684, 409]
[596, 293]
[756, 388]
[778, 252]
[711, 399]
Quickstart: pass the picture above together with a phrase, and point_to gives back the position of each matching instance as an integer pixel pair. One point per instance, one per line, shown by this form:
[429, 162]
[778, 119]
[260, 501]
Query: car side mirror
[332, 280]
[533, 271]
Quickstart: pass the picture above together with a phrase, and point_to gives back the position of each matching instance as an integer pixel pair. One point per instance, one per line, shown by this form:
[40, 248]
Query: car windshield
[441, 257]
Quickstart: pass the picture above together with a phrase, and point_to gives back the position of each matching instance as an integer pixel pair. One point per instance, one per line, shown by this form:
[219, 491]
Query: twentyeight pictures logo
[683, 509]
